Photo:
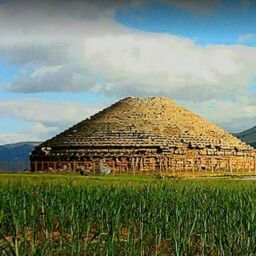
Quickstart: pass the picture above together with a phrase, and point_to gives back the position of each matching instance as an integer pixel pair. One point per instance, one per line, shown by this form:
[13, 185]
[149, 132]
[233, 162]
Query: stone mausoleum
[144, 135]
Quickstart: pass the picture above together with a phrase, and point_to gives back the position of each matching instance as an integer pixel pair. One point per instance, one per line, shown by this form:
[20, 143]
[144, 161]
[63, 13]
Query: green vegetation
[72, 215]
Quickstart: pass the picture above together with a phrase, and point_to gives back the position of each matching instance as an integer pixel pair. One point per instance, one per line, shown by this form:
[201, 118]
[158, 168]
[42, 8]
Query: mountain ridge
[15, 156]
[248, 136]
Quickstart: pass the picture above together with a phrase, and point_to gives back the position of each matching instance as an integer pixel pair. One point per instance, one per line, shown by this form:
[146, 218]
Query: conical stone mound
[137, 132]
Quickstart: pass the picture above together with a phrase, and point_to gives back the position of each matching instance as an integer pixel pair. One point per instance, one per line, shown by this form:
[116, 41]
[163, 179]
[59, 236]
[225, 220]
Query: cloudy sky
[63, 60]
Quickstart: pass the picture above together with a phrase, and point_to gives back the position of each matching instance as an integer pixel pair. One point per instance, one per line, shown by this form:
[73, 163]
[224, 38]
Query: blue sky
[119, 43]
[223, 25]
[7, 72]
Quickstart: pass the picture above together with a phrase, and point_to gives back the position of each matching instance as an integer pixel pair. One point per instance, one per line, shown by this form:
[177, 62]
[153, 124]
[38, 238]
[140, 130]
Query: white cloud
[46, 112]
[40, 128]
[74, 50]
[8, 138]
[46, 71]
[234, 115]
[43, 118]
[79, 47]
[41, 20]
[47, 21]
[141, 64]
[152, 64]
[37, 132]
[247, 38]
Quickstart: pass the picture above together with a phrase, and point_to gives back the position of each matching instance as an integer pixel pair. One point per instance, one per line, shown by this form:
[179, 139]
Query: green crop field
[73, 215]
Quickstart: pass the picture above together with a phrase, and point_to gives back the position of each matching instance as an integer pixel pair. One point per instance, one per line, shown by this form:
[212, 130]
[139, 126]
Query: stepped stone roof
[151, 122]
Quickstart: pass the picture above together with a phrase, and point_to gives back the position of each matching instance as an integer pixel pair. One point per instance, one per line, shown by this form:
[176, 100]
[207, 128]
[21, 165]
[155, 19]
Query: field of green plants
[58, 215]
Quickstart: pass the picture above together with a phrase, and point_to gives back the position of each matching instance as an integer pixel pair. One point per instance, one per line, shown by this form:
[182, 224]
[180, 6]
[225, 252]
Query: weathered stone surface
[146, 134]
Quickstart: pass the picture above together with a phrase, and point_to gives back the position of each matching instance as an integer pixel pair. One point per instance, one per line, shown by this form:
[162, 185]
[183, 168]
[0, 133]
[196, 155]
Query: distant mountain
[14, 157]
[248, 136]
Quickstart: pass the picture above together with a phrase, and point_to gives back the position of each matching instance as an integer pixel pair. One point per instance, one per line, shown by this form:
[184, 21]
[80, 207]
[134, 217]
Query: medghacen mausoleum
[144, 135]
